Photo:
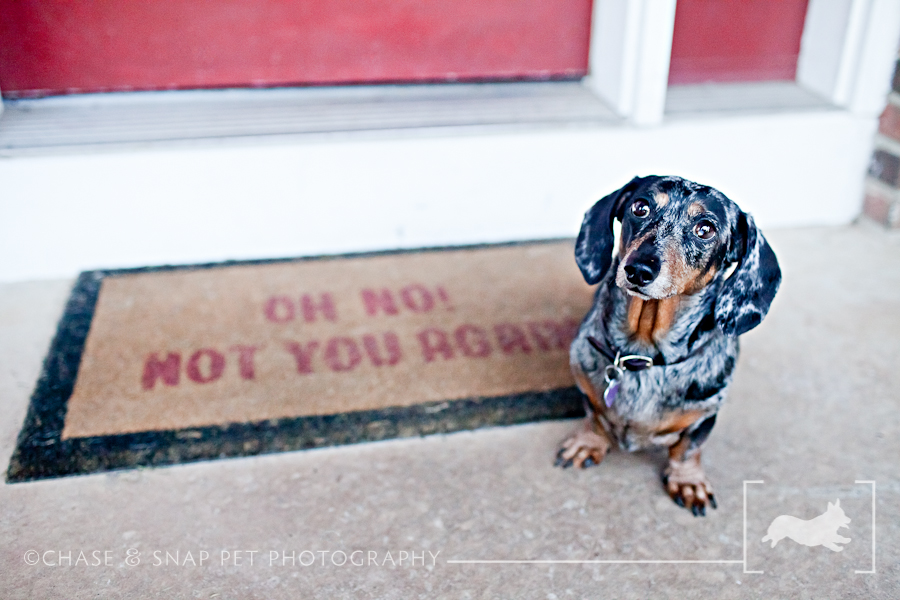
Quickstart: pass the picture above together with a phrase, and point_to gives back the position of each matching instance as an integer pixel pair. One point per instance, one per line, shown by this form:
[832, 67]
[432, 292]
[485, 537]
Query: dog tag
[612, 390]
[613, 376]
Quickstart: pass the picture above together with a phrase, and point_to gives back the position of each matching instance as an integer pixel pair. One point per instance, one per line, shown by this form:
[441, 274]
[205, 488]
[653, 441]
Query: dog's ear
[594, 246]
[745, 297]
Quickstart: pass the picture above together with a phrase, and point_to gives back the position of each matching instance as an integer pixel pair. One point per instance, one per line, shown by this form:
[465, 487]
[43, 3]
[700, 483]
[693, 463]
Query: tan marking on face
[698, 280]
[649, 321]
[646, 322]
[684, 279]
[661, 199]
[640, 319]
[635, 305]
[666, 310]
[695, 209]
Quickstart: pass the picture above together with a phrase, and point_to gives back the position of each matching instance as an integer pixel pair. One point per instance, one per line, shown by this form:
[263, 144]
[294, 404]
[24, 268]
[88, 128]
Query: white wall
[63, 214]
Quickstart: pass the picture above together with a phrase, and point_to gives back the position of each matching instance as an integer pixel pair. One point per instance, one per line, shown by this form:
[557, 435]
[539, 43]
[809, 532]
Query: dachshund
[655, 354]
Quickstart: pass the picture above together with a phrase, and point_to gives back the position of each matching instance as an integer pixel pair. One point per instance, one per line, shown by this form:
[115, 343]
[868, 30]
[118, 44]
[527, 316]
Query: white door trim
[848, 51]
[631, 45]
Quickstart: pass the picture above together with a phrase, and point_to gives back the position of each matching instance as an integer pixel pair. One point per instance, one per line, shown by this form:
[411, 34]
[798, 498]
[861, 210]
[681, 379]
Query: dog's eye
[705, 230]
[640, 208]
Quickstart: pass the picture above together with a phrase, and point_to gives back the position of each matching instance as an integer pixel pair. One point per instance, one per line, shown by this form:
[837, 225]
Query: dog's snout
[642, 270]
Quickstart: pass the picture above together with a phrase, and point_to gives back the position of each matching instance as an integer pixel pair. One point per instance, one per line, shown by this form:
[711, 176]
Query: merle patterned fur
[737, 274]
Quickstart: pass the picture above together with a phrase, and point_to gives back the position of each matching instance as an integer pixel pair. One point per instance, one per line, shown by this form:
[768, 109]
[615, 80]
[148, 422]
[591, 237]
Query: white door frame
[847, 54]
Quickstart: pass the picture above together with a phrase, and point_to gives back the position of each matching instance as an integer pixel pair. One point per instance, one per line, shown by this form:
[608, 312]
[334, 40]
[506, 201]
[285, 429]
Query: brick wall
[882, 197]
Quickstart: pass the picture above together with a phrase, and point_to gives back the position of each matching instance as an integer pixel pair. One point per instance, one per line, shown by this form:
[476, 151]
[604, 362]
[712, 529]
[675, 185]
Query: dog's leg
[586, 447]
[590, 443]
[835, 540]
[683, 478]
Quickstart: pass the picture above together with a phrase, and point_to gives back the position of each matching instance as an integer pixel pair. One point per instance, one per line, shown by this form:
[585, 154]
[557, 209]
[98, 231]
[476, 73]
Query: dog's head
[678, 237]
[836, 514]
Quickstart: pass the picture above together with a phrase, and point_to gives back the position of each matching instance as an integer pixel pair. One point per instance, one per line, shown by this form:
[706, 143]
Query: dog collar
[629, 362]
[614, 371]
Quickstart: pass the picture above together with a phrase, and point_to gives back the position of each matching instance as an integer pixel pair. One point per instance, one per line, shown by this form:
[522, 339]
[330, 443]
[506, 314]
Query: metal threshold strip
[138, 118]
[758, 97]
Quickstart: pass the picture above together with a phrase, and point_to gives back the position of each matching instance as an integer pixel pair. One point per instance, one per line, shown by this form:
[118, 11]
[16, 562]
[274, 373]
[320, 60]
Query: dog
[821, 531]
[654, 356]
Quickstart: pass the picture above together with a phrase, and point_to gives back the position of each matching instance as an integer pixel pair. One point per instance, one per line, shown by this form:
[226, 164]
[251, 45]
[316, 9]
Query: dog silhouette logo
[821, 531]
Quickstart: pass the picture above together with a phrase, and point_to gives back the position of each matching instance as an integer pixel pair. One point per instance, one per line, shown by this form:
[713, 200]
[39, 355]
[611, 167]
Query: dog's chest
[649, 410]
[653, 406]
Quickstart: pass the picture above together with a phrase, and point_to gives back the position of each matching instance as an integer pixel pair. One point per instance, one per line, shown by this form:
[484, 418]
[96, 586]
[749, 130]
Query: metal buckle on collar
[634, 362]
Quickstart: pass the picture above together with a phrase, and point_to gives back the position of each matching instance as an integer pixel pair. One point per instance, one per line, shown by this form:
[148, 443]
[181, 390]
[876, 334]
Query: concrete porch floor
[815, 407]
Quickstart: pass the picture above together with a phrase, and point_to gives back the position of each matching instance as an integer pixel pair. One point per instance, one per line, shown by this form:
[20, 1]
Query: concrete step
[813, 410]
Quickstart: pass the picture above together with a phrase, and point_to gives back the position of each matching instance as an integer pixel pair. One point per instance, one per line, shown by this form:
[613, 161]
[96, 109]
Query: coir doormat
[164, 365]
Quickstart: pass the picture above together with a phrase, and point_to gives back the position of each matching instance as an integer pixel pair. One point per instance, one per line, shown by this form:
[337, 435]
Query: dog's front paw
[687, 485]
[583, 449]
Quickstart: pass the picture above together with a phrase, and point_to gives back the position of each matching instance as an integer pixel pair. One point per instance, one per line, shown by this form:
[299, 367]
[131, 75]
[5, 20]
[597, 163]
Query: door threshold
[80, 122]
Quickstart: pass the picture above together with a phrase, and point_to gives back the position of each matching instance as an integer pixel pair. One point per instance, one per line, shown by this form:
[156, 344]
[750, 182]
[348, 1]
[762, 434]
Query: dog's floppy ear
[593, 248]
[745, 297]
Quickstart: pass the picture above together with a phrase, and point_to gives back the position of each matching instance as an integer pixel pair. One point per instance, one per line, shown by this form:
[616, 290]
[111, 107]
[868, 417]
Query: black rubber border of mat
[41, 453]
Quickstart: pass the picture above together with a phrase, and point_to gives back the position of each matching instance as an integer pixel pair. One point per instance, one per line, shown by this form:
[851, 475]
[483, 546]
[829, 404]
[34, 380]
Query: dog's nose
[642, 271]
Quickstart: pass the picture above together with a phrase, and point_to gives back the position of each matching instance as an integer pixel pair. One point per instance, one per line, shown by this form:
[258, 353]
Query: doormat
[165, 365]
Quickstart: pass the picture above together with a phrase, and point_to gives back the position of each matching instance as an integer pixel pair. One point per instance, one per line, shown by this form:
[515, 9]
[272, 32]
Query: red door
[736, 40]
[65, 46]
